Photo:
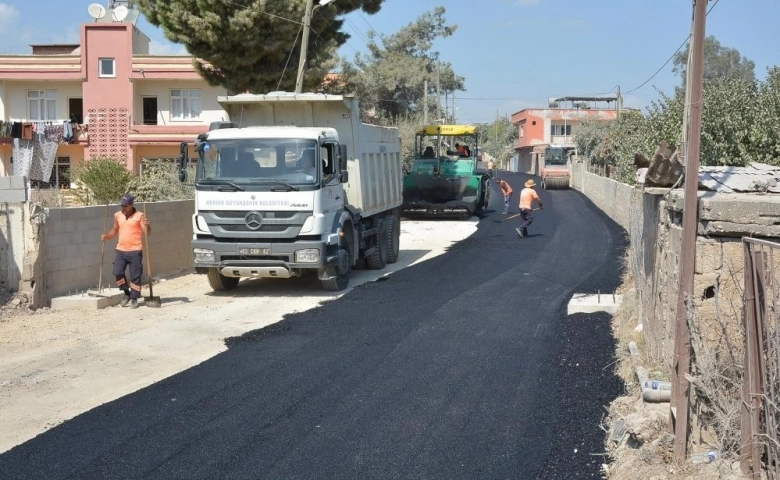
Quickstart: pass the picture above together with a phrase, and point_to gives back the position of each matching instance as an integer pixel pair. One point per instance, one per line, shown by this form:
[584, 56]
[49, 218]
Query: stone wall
[652, 218]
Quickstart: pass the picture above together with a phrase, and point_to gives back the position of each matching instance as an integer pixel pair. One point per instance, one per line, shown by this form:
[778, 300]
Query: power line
[287, 63]
[363, 17]
[685, 42]
[357, 30]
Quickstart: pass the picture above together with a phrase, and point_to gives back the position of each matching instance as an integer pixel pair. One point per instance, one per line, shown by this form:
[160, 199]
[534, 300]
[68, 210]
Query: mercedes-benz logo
[253, 220]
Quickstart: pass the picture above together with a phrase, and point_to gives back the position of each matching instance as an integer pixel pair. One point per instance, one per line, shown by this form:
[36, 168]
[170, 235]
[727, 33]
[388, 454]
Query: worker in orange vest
[130, 225]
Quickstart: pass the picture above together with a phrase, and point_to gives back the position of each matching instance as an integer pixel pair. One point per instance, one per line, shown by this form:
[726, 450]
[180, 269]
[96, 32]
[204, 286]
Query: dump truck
[446, 177]
[556, 168]
[294, 183]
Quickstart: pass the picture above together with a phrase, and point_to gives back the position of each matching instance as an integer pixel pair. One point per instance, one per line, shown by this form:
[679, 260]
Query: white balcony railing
[561, 139]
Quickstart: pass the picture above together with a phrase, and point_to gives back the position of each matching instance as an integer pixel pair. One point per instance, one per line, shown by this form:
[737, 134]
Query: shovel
[151, 300]
[514, 216]
[99, 291]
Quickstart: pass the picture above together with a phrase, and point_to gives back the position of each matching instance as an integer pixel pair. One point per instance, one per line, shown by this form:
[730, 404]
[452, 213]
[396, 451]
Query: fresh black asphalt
[464, 366]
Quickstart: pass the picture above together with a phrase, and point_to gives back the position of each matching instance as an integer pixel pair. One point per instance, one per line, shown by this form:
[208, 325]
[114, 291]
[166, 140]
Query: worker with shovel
[131, 225]
[506, 189]
[527, 197]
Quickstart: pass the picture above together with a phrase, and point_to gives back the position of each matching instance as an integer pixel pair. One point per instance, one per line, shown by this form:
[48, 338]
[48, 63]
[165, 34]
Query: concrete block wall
[612, 197]
[72, 245]
[13, 189]
[12, 217]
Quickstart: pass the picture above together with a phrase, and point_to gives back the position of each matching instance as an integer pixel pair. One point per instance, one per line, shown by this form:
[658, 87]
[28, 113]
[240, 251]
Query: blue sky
[514, 54]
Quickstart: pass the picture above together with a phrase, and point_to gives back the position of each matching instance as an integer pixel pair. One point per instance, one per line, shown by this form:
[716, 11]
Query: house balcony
[79, 130]
[164, 134]
[562, 140]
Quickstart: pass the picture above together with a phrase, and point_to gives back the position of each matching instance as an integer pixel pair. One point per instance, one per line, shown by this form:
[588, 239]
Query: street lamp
[310, 7]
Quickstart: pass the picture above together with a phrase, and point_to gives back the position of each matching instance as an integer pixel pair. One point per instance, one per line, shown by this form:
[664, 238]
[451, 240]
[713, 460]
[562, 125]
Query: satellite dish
[120, 13]
[97, 11]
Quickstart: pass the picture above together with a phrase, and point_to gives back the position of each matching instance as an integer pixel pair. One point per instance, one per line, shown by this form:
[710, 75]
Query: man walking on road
[130, 225]
[527, 197]
[506, 189]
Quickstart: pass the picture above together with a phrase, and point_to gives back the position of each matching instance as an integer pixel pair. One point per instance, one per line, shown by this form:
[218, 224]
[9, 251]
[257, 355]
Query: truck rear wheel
[340, 280]
[378, 259]
[393, 232]
[219, 282]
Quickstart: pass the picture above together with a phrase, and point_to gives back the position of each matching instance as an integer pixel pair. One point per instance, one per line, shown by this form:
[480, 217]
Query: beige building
[104, 97]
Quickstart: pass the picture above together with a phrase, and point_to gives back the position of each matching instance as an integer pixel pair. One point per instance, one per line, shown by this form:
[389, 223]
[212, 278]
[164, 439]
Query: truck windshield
[259, 161]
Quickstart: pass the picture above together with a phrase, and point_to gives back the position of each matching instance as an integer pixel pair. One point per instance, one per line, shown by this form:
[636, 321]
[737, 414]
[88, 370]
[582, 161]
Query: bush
[160, 182]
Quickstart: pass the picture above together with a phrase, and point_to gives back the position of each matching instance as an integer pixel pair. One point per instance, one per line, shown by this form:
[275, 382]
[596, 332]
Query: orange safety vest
[130, 231]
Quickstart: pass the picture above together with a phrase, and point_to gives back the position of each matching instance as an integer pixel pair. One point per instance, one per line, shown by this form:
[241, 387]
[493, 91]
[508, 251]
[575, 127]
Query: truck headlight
[307, 255]
[203, 255]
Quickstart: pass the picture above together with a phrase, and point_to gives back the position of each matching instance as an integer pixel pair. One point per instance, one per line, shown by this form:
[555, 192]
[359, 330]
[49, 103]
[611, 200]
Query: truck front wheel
[219, 282]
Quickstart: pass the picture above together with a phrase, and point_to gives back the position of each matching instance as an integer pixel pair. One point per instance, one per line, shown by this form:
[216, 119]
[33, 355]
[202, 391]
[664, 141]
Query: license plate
[253, 251]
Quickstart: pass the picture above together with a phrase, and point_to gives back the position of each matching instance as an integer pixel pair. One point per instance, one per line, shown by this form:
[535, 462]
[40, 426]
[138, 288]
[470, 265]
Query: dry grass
[645, 451]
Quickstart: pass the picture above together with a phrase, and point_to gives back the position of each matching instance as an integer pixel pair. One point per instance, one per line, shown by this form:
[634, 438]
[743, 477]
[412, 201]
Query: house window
[560, 130]
[107, 67]
[60, 175]
[522, 131]
[185, 104]
[42, 104]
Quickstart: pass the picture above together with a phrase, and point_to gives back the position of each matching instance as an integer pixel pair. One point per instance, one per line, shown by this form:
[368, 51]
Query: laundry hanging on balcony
[34, 157]
[66, 131]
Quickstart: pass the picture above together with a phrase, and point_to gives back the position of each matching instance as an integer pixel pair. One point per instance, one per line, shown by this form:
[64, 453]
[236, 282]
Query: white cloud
[8, 15]
[166, 48]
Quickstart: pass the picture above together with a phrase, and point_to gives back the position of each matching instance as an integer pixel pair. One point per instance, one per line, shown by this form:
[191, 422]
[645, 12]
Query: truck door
[332, 192]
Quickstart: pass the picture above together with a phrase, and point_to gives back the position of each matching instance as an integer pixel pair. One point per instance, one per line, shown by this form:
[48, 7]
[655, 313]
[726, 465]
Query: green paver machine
[445, 178]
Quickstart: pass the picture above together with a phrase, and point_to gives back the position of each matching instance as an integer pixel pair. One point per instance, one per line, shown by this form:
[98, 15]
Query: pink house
[119, 101]
[539, 127]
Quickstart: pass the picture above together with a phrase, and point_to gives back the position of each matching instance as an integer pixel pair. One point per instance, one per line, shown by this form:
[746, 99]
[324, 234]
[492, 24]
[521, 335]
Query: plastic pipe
[653, 391]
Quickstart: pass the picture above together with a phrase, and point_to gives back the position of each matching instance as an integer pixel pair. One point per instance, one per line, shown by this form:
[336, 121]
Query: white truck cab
[283, 196]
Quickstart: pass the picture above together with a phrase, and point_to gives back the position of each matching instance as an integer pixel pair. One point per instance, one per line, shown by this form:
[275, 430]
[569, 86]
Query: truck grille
[238, 225]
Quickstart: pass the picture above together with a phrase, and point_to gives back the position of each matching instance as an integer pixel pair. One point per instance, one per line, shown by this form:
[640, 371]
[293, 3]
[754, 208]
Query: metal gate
[761, 382]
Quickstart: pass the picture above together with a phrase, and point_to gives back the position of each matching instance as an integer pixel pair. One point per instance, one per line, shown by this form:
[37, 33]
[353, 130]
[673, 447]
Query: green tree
[740, 125]
[390, 78]
[254, 45]
[729, 112]
[719, 62]
[497, 139]
[102, 181]
[160, 182]
[765, 131]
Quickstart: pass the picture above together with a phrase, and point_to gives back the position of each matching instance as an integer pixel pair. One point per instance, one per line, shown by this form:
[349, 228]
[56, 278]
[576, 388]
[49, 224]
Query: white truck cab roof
[313, 133]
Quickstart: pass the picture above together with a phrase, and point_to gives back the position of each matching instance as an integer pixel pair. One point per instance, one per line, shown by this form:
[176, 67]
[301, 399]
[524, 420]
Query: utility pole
[453, 107]
[619, 102]
[305, 40]
[304, 45]
[425, 103]
[438, 92]
[682, 339]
